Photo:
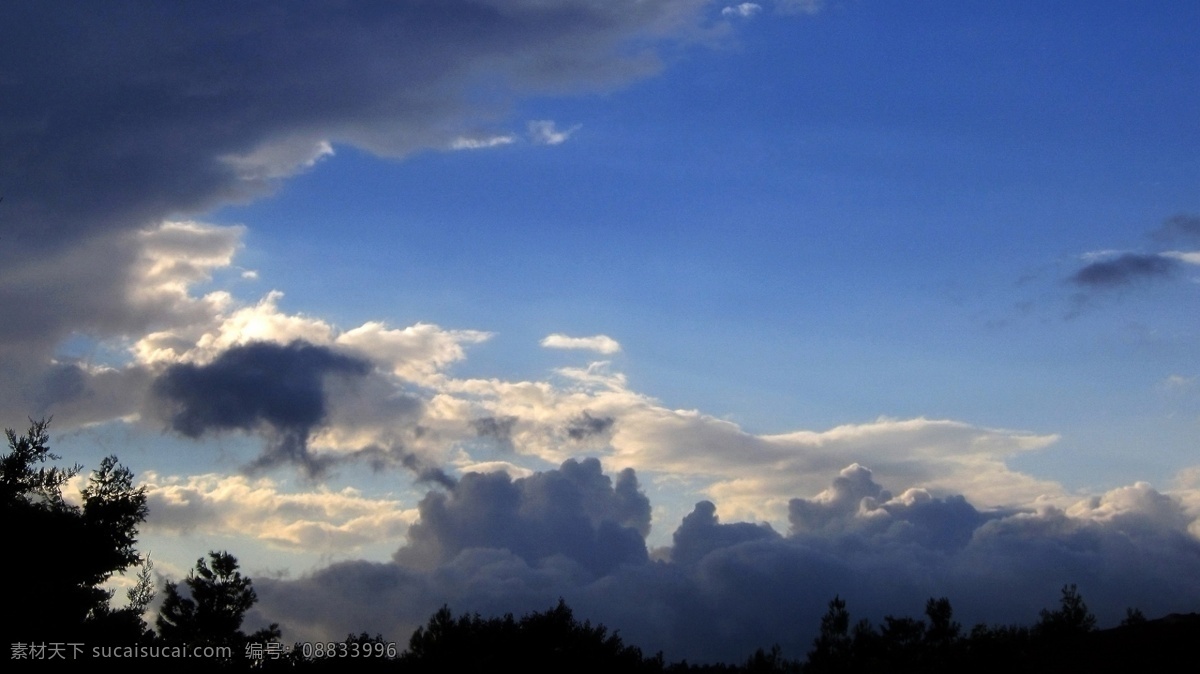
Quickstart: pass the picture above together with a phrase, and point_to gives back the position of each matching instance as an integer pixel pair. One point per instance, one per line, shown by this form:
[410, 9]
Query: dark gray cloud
[381, 458]
[140, 117]
[701, 533]
[852, 489]
[62, 383]
[1184, 227]
[496, 545]
[1124, 269]
[574, 512]
[279, 387]
[856, 504]
[585, 426]
[496, 428]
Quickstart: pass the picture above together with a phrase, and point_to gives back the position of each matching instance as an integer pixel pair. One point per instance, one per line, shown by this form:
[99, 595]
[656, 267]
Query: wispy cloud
[1177, 382]
[467, 143]
[799, 6]
[1187, 257]
[745, 10]
[1114, 268]
[1181, 227]
[545, 132]
[1124, 270]
[599, 343]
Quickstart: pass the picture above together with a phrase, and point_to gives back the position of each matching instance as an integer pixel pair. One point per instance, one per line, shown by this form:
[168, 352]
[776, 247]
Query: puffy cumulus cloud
[318, 521]
[574, 512]
[1135, 508]
[853, 493]
[208, 363]
[494, 544]
[416, 353]
[1187, 489]
[701, 532]
[856, 503]
[398, 405]
[229, 326]
[754, 476]
[598, 343]
[386, 396]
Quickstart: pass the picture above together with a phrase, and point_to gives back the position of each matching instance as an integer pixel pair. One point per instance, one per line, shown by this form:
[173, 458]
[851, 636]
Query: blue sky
[794, 231]
[955, 244]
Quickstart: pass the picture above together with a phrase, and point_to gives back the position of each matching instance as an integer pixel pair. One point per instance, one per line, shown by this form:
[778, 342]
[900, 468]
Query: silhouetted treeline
[1062, 640]
[59, 555]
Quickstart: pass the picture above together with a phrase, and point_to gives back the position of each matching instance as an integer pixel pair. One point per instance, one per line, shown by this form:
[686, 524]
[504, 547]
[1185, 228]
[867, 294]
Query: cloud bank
[494, 544]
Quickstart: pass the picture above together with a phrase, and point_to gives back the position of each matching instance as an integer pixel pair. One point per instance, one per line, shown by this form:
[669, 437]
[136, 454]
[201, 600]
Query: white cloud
[1100, 255]
[415, 353]
[745, 9]
[1137, 506]
[202, 341]
[1177, 382]
[751, 476]
[279, 159]
[544, 132]
[471, 143]
[318, 521]
[1189, 257]
[599, 343]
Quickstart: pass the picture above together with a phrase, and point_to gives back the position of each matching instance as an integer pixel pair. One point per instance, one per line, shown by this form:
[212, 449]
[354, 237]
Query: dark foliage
[212, 614]
[67, 551]
[1071, 619]
[1062, 640]
[541, 641]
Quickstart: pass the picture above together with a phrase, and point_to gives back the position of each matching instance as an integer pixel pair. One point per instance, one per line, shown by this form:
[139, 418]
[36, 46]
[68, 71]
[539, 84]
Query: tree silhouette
[213, 613]
[832, 648]
[541, 641]
[1072, 617]
[60, 554]
[943, 630]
